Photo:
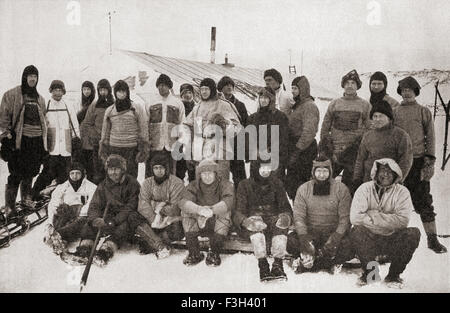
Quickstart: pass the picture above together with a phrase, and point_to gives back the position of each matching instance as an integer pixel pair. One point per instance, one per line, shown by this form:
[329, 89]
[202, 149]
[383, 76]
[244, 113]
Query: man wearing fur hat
[274, 81]
[343, 126]
[164, 113]
[209, 118]
[384, 141]
[62, 127]
[263, 119]
[303, 127]
[119, 193]
[378, 85]
[158, 203]
[321, 218]
[23, 128]
[237, 166]
[93, 123]
[263, 213]
[124, 130]
[68, 207]
[380, 214]
[418, 122]
[187, 97]
[206, 207]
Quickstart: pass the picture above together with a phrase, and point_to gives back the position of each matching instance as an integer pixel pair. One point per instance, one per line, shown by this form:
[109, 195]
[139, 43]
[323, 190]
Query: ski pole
[91, 256]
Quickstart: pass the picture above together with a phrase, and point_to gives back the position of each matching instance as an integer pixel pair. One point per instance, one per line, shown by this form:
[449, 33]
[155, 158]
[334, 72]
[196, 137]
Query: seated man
[321, 218]
[158, 203]
[380, 215]
[119, 194]
[67, 209]
[263, 211]
[206, 207]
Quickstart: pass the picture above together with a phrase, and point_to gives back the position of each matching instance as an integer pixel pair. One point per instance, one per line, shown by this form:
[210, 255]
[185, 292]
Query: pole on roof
[213, 45]
[110, 32]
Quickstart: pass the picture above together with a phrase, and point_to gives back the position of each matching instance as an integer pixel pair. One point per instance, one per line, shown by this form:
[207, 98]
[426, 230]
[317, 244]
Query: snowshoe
[277, 271]
[264, 270]
[394, 281]
[213, 259]
[55, 242]
[191, 260]
[73, 258]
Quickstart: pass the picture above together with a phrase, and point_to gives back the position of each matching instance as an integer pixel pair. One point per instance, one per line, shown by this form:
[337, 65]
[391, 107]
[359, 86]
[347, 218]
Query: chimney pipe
[213, 45]
[226, 58]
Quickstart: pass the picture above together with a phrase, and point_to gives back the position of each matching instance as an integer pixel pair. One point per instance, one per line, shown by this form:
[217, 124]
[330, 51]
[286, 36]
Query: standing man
[93, 123]
[418, 122]
[303, 127]
[124, 130]
[24, 125]
[226, 86]
[62, 127]
[187, 97]
[274, 81]
[378, 85]
[164, 113]
[343, 126]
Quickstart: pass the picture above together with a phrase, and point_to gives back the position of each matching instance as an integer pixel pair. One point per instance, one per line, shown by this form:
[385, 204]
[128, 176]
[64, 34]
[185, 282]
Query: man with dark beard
[23, 124]
[378, 86]
[158, 203]
[263, 212]
[87, 97]
[124, 130]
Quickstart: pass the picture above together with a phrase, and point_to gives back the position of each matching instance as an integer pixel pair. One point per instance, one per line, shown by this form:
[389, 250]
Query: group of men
[385, 149]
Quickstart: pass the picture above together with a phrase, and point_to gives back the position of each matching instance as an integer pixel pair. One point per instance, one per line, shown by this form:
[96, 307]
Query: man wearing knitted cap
[266, 119]
[210, 118]
[87, 97]
[321, 218]
[418, 122]
[158, 203]
[343, 126]
[187, 97]
[119, 193]
[237, 166]
[62, 127]
[68, 207]
[206, 208]
[274, 81]
[384, 141]
[263, 213]
[93, 123]
[164, 112]
[378, 86]
[23, 134]
[124, 130]
[303, 127]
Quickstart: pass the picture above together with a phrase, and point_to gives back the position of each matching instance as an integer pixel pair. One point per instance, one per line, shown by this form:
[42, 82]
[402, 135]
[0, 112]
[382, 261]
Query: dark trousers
[55, 167]
[399, 247]
[98, 166]
[87, 162]
[300, 172]
[345, 251]
[168, 154]
[129, 154]
[420, 192]
[182, 168]
[119, 233]
[237, 168]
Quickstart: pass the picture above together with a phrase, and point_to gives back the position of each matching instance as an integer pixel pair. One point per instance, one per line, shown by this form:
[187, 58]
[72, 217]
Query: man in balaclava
[263, 213]
[87, 97]
[93, 123]
[158, 204]
[378, 86]
[124, 130]
[23, 133]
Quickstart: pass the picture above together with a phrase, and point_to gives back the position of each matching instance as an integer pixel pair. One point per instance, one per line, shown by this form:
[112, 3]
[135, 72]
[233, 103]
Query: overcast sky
[335, 36]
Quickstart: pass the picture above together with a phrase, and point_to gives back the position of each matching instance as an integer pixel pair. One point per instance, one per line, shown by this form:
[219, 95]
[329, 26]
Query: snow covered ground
[30, 266]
